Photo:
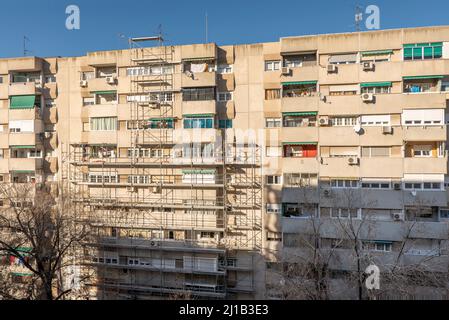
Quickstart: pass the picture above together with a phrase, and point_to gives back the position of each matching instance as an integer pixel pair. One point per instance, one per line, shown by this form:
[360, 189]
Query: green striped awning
[21, 274]
[104, 92]
[423, 77]
[299, 143]
[299, 83]
[162, 119]
[427, 44]
[22, 102]
[376, 53]
[22, 147]
[286, 114]
[198, 171]
[23, 171]
[204, 115]
[375, 84]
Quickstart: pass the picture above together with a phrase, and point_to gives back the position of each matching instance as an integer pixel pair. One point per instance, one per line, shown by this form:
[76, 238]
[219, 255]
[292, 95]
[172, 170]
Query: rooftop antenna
[25, 50]
[207, 28]
[358, 17]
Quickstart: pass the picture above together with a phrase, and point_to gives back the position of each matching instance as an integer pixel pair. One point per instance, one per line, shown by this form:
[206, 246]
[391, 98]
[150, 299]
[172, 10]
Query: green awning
[204, 115]
[104, 92]
[298, 83]
[22, 102]
[375, 84]
[376, 53]
[286, 114]
[162, 119]
[198, 171]
[427, 44]
[423, 77]
[20, 274]
[23, 171]
[299, 143]
[22, 147]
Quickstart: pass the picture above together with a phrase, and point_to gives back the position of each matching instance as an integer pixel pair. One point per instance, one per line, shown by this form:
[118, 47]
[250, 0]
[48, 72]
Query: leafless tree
[38, 230]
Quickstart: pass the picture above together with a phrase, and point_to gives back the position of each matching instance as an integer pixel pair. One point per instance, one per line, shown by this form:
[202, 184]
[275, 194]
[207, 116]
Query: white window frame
[274, 208]
[344, 184]
[338, 213]
[375, 120]
[225, 68]
[272, 65]
[277, 122]
[273, 180]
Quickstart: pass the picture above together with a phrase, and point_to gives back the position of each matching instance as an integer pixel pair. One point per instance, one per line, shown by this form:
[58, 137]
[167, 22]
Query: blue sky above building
[183, 22]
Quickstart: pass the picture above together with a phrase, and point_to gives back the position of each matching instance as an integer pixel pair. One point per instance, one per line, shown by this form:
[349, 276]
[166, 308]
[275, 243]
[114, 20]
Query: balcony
[305, 133]
[300, 164]
[24, 114]
[98, 111]
[339, 136]
[99, 137]
[181, 136]
[347, 73]
[338, 167]
[100, 84]
[23, 89]
[200, 79]
[25, 64]
[425, 67]
[305, 73]
[425, 165]
[199, 107]
[24, 139]
[25, 164]
[380, 167]
[4, 91]
[419, 133]
[292, 104]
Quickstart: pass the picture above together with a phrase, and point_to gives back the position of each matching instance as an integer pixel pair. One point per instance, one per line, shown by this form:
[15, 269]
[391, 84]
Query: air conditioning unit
[110, 80]
[398, 216]
[353, 161]
[286, 71]
[323, 120]
[332, 68]
[131, 189]
[387, 130]
[368, 97]
[397, 186]
[154, 244]
[156, 189]
[47, 135]
[83, 83]
[368, 66]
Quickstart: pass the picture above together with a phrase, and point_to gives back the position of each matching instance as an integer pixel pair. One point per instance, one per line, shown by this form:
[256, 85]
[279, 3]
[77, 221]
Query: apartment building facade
[195, 165]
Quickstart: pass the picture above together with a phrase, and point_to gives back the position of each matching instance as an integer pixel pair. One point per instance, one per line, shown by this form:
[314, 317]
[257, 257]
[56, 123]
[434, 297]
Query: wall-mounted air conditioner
[368, 97]
[332, 68]
[368, 66]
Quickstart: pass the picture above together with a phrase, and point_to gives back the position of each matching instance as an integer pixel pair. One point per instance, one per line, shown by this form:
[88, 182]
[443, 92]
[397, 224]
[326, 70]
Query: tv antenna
[207, 27]
[25, 50]
[358, 17]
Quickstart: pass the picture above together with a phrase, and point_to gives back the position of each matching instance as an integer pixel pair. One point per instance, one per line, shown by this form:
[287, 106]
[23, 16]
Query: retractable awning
[104, 92]
[22, 147]
[376, 53]
[22, 102]
[299, 143]
[299, 83]
[23, 171]
[162, 119]
[423, 77]
[286, 114]
[204, 115]
[197, 171]
[375, 84]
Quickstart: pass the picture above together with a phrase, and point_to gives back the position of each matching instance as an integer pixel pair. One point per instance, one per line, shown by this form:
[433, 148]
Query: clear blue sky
[183, 22]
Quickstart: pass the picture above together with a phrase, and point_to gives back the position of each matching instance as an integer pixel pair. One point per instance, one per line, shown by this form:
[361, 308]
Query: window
[274, 180]
[106, 98]
[21, 126]
[88, 101]
[298, 210]
[420, 51]
[272, 94]
[304, 120]
[202, 123]
[151, 97]
[343, 58]
[375, 120]
[207, 235]
[300, 60]
[103, 72]
[225, 124]
[344, 121]
[139, 179]
[102, 178]
[378, 246]
[50, 78]
[339, 184]
[422, 151]
[149, 71]
[198, 94]
[372, 152]
[275, 208]
[272, 65]
[345, 213]
[224, 69]
[380, 184]
[377, 89]
[426, 182]
[306, 89]
[343, 90]
[300, 180]
[444, 213]
[224, 96]
[273, 122]
[103, 124]
[300, 151]
[35, 153]
[274, 151]
[87, 75]
[423, 117]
